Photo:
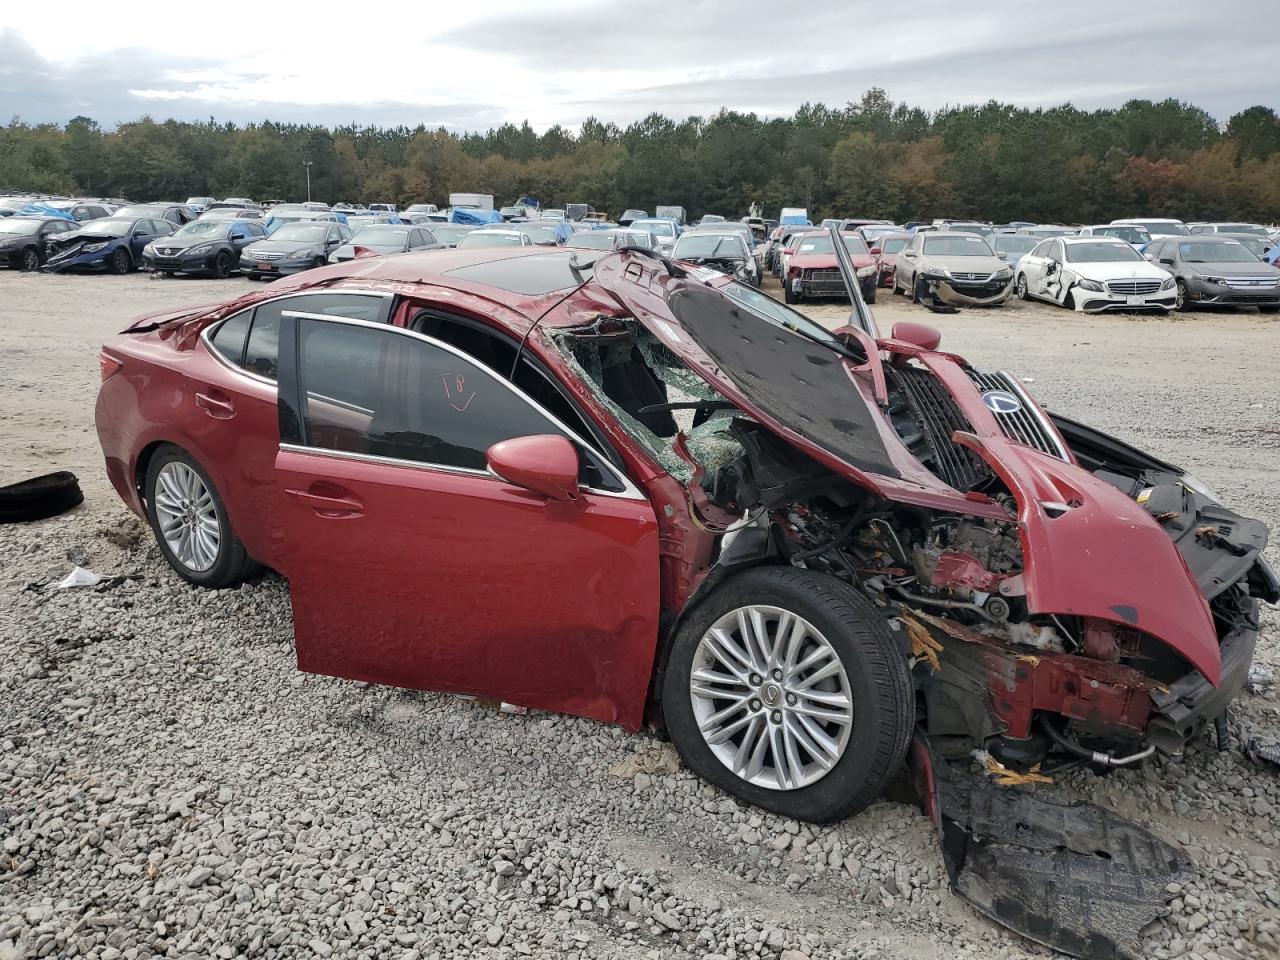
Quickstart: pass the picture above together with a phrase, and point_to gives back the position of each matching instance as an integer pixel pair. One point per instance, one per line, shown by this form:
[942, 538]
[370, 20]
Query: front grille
[971, 277]
[1130, 288]
[261, 255]
[1026, 425]
[1251, 284]
[822, 280]
[168, 251]
[925, 417]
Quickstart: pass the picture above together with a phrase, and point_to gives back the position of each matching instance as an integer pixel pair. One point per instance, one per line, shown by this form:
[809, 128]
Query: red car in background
[882, 251]
[632, 491]
[809, 267]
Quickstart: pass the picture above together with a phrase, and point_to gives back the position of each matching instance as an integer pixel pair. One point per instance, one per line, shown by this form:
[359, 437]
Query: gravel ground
[171, 786]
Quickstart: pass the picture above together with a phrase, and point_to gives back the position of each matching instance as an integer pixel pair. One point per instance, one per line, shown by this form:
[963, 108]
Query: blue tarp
[474, 218]
[528, 202]
[791, 219]
[44, 210]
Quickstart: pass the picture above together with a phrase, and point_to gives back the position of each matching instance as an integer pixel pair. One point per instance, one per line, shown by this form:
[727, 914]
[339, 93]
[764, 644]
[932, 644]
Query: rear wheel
[120, 262]
[30, 259]
[190, 522]
[786, 689]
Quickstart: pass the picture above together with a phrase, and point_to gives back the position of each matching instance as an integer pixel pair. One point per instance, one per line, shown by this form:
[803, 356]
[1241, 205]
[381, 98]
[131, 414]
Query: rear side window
[261, 352]
[385, 394]
[228, 339]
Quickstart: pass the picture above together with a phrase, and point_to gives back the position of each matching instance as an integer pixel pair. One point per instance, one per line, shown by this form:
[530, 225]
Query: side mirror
[546, 464]
[1167, 260]
[909, 254]
[875, 251]
[921, 334]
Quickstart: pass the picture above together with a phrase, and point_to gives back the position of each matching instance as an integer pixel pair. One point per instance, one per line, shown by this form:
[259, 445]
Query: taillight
[108, 365]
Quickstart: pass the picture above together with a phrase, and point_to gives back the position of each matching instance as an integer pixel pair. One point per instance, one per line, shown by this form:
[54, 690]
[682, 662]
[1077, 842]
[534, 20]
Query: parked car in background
[385, 207]
[554, 213]
[210, 247]
[1045, 230]
[278, 218]
[790, 239]
[871, 232]
[82, 210]
[675, 214]
[292, 248]
[550, 234]
[23, 240]
[384, 239]
[724, 252]
[488, 237]
[218, 212]
[664, 230]
[1158, 226]
[1259, 246]
[1131, 233]
[811, 269]
[1093, 275]
[358, 221]
[175, 213]
[448, 234]
[1010, 247]
[956, 267]
[883, 250]
[237, 202]
[1254, 229]
[1216, 270]
[9, 206]
[114, 244]
[629, 216]
[423, 208]
[200, 204]
[614, 239]
[966, 226]
[710, 218]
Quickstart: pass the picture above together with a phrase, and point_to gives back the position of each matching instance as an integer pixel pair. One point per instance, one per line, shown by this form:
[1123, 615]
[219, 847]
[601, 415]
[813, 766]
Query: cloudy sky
[476, 64]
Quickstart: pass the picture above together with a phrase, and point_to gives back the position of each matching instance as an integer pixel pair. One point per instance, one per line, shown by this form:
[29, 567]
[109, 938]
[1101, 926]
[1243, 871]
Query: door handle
[216, 404]
[330, 507]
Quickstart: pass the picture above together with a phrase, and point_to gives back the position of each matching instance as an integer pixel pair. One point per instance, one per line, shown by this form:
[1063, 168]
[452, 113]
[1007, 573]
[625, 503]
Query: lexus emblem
[1001, 401]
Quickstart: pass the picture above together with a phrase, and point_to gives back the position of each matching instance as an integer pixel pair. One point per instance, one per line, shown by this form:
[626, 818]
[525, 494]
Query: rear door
[410, 564]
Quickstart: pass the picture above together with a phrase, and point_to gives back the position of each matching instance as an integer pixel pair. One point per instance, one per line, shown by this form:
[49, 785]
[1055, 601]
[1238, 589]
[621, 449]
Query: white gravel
[171, 786]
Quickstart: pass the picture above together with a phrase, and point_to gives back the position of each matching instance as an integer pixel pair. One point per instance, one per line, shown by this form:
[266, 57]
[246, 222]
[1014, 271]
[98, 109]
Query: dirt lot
[170, 786]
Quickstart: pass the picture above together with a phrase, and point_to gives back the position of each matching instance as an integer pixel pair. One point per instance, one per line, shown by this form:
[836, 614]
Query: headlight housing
[864, 272]
[1004, 273]
[304, 252]
[93, 247]
[1215, 280]
[202, 249]
[1092, 285]
[936, 273]
[1169, 283]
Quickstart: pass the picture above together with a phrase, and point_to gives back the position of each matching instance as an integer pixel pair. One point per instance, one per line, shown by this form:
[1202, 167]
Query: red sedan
[883, 250]
[617, 487]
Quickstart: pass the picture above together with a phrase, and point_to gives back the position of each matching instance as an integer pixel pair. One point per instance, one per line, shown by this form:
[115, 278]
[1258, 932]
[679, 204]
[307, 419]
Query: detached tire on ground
[40, 497]
[190, 522]
[787, 689]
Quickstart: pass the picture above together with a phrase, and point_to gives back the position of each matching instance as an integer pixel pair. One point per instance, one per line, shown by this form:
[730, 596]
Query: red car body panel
[526, 607]
[826, 261]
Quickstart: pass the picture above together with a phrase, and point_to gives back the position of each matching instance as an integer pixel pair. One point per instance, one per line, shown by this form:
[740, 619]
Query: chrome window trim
[629, 491]
[207, 333]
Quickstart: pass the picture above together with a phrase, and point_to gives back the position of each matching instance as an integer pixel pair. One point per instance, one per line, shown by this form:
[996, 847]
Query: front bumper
[179, 264]
[1218, 293]
[84, 261]
[829, 286]
[1092, 301]
[958, 292]
[1183, 710]
[274, 268]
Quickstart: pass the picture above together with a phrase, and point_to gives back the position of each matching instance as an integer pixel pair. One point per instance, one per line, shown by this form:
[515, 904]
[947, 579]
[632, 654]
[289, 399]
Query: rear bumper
[1192, 702]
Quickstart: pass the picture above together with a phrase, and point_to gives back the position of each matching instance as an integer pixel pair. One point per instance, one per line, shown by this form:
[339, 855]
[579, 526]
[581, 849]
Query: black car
[1217, 270]
[23, 239]
[202, 246]
[176, 213]
[381, 239]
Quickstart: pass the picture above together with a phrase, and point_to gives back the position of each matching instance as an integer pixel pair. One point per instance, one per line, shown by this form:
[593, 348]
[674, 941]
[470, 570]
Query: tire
[788, 296]
[1069, 301]
[120, 262]
[227, 563]
[1020, 287]
[869, 293]
[919, 290]
[872, 681]
[1180, 303]
[318, 262]
[30, 260]
[39, 498]
[222, 265]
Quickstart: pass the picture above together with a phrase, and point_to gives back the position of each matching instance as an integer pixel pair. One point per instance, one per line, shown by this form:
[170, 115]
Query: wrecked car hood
[1089, 550]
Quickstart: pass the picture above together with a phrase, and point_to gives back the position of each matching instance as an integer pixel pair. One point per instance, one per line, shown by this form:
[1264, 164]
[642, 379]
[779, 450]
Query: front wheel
[222, 265]
[120, 262]
[869, 293]
[190, 522]
[786, 689]
[30, 259]
[1180, 301]
[1020, 287]
[789, 295]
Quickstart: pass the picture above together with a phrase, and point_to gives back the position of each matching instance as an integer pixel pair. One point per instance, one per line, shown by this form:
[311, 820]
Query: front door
[410, 564]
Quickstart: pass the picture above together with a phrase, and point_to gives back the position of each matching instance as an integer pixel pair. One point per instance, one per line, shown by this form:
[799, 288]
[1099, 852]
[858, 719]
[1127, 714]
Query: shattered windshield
[956, 245]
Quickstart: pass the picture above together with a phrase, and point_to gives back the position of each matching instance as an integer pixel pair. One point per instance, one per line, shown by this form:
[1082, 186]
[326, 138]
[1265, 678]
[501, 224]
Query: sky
[474, 65]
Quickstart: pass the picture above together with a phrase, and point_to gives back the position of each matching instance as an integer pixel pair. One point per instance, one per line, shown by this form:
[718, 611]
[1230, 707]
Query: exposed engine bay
[991, 674]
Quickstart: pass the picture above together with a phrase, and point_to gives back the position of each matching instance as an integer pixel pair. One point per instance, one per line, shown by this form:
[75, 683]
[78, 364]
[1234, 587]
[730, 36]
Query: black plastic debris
[40, 497]
[1075, 877]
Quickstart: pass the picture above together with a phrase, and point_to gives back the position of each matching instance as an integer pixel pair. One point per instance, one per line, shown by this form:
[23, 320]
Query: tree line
[870, 158]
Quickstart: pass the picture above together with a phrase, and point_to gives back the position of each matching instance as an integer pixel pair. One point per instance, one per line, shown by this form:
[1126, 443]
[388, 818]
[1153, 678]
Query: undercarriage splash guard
[1072, 876]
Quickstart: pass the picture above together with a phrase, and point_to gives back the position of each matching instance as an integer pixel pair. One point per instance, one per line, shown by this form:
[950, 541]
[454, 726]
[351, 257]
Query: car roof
[1099, 239]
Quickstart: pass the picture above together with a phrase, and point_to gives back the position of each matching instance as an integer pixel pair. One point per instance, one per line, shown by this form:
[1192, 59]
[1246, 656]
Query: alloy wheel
[1020, 287]
[187, 516]
[30, 260]
[1180, 300]
[771, 697]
